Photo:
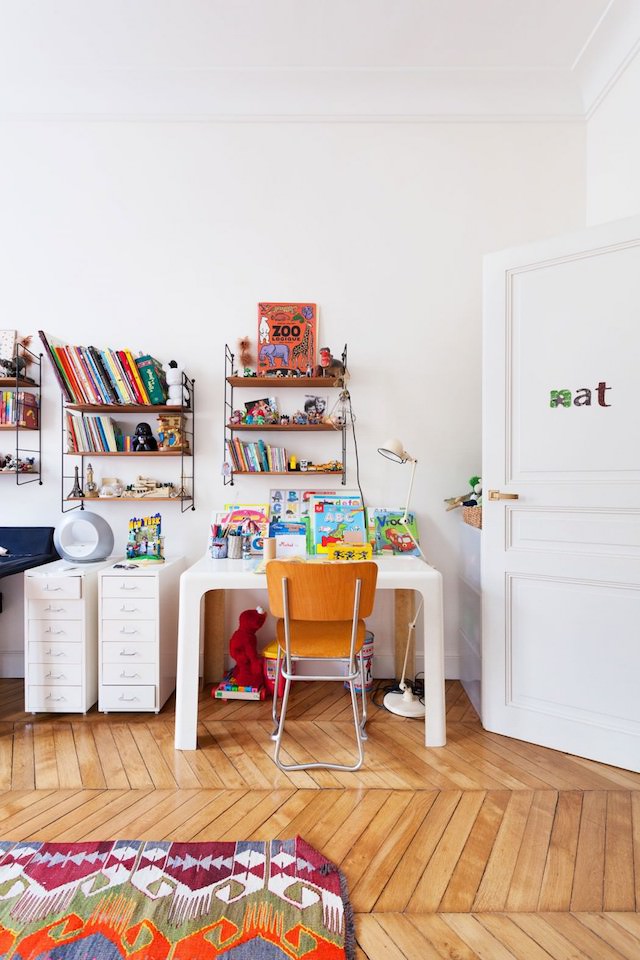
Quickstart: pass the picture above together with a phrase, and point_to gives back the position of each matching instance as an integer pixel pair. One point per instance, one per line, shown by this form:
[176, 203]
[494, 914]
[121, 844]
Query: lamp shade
[394, 450]
[83, 538]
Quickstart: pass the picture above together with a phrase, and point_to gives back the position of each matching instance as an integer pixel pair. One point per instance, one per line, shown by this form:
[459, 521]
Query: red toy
[248, 671]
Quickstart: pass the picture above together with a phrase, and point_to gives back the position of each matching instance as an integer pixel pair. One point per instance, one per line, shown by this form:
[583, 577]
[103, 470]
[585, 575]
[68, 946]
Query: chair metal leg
[363, 722]
[278, 737]
[274, 705]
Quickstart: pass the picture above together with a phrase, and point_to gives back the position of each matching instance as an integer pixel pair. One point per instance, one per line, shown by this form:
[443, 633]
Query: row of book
[92, 433]
[19, 408]
[89, 375]
[258, 457]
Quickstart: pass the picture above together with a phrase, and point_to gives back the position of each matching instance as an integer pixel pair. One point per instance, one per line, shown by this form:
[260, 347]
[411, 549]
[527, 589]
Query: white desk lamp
[404, 703]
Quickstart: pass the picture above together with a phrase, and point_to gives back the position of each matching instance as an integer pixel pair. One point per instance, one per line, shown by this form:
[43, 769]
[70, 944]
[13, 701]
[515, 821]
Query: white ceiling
[297, 58]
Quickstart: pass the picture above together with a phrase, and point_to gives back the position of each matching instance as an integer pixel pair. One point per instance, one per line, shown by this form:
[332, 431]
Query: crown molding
[611, 48]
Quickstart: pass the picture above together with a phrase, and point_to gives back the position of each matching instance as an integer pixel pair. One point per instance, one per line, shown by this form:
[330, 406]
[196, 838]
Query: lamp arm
[412, 627]
[405, 516]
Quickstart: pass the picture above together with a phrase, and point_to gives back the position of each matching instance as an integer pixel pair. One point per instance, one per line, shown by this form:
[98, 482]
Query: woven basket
[472, 516]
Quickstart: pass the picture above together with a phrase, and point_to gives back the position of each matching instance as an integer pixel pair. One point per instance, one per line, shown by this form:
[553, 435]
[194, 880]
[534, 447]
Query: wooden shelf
[129, 499]
[311, 427]
[126, 453]
[8, 382]
[14, 427]
[287, 473]
[125, 408]
[279, 382]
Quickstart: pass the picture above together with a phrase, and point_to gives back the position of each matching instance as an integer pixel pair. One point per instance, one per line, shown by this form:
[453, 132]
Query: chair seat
[329, 638]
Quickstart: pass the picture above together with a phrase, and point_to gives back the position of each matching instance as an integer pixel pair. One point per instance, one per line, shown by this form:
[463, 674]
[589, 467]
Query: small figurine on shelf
[285, 420]
[178, 394]
[170, 433]
[143, 439]
[293, 463]
[300, 418]
[246, 357]
[76, 491]
[90, 487]
[111, 487]
[236, 417]
[329, 366]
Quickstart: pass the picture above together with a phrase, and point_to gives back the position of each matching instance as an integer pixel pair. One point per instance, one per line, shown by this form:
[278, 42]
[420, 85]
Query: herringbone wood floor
[489, 848]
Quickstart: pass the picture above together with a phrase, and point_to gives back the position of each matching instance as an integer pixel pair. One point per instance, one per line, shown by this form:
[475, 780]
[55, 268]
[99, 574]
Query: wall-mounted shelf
[25, 434]
[79, 458]
[272, 384]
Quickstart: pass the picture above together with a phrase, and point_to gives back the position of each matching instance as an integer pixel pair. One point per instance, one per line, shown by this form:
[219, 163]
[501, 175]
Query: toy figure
[245, 355]
[248, 671]
[285, 420]
[143, 439]
[328, 366]
[236, 417]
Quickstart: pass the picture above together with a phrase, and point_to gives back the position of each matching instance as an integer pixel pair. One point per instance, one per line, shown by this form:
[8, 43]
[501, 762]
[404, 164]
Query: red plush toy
[248, 671]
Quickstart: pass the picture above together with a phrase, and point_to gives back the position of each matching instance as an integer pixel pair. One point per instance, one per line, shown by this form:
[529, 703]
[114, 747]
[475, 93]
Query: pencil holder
[218, 548]
[234, 548]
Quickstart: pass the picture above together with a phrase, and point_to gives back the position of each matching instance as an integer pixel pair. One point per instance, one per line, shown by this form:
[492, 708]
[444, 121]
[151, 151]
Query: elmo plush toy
[248, 671]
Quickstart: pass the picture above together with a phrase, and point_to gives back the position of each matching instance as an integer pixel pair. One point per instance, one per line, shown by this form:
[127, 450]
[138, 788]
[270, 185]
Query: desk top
[393, 572]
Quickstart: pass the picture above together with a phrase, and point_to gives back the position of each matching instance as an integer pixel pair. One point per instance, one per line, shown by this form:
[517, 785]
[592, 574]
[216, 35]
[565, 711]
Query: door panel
[561, 565]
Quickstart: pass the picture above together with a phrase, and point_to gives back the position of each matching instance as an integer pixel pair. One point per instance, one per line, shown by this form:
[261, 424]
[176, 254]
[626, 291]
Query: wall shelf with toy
[104, 392]
[284, 357]
[20, 415]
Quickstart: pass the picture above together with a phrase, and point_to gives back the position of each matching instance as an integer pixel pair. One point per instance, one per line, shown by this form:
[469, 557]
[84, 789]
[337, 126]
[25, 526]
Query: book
[286, 336]
[388, 535]
[145, 541]
[248, 517]
[284, 504]
[127, 373]
[338, 518]
[290, 537]
[149, 372]
[228, 689]
[135, 373]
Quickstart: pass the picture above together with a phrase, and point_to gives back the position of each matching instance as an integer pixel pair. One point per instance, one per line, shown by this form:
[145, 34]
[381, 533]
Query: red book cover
[78, 393]
[87, 374]
[130, 379]
[58, 369]
[287, 335]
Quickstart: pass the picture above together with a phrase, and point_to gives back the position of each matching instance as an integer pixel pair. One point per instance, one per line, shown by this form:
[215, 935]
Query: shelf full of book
[249, 458]
[20, 415]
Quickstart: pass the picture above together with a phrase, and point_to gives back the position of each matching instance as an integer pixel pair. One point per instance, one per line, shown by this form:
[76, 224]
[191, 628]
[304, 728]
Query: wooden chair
[320, 609]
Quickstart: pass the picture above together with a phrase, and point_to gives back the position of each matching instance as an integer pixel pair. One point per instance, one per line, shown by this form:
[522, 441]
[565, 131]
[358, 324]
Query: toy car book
[291, 538]
[145, 542]
[336, 518]
[286, 337]
[388, 535]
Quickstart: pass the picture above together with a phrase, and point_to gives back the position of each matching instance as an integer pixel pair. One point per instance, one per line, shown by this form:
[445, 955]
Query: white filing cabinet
[138, 635]
[61, 637]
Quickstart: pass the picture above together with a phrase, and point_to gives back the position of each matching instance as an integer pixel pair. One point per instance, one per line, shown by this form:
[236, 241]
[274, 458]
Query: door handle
[499, 495]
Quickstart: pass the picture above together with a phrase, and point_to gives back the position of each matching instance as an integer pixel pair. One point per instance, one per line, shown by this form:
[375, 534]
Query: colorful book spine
[57, 367]
[76, 390]
[150, 376]
[109, 392]
[128, 375]
[135, 374]
[83, 375]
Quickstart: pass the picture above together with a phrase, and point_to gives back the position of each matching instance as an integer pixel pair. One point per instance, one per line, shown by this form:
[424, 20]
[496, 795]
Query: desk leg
[188, 663]
[213, 669]
[404, 612]
[433, 640]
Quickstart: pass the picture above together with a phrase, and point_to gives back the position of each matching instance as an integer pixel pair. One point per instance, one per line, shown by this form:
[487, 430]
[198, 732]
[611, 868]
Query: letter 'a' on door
[561, 429]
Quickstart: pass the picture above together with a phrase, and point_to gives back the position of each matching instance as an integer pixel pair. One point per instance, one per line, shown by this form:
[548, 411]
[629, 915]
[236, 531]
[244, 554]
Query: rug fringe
[349, 921]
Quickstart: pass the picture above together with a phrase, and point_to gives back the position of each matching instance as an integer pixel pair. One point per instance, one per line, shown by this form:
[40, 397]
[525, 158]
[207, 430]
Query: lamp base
[404, 704]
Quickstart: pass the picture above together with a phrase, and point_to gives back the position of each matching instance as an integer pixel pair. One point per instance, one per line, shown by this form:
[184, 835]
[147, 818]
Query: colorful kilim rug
[180, 901]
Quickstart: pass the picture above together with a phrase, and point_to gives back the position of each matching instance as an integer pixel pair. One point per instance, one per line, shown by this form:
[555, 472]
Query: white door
[561, 428]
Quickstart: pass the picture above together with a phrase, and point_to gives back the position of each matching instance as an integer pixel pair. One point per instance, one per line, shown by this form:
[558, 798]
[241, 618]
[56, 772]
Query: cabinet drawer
[56, 652]
[127, 698]
[56, 588]
[129, 587]
[55, 674]
[50, 699]
[53, 609]
[60, 630]
[116, 630]
[126, 674]
[128, 651]
[128, 608]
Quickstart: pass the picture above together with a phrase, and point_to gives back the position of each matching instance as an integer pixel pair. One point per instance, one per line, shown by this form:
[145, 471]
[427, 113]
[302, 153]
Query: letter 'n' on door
[561, 431]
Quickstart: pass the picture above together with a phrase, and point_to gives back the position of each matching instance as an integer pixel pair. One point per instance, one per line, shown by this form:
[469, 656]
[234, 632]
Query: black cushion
[28, 547]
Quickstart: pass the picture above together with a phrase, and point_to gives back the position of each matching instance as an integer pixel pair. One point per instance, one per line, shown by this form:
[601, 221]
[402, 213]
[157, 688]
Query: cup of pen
[218, 548]
[234, 549]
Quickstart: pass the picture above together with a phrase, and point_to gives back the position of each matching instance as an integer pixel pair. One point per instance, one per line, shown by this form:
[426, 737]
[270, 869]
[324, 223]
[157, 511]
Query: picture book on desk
[388, 535]
[290, 536]
[146, 543]
[336, 518]
[248, 517]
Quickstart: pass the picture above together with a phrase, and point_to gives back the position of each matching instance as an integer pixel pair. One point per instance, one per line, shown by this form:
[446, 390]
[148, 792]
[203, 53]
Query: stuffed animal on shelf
[328, 366]
[248, 671]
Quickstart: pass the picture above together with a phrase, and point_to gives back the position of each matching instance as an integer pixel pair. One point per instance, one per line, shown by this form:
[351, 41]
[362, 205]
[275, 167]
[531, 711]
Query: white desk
[394, 573]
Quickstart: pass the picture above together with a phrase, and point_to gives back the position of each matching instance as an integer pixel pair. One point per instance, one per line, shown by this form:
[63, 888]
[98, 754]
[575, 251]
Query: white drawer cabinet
[138, 636]
[61, 637]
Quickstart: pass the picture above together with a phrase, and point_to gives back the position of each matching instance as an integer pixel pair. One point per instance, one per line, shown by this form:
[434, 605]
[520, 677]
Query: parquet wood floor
[489, 848]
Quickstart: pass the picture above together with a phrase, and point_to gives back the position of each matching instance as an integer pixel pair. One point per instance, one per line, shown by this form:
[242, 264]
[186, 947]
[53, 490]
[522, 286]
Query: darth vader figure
[143, 439]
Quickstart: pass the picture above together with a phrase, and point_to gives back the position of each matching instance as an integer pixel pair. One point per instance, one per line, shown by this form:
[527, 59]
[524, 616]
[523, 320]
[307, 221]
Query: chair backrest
[321, 591]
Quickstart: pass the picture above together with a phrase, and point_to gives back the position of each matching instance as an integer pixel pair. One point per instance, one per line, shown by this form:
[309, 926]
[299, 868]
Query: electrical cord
[382, 687]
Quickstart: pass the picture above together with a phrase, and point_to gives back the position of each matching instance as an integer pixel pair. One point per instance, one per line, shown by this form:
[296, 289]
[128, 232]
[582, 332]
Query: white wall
[163, 237]
[613, 151]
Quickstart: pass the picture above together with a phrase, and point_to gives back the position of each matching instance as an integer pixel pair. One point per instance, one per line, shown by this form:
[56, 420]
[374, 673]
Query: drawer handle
[50, 653]
[53, 676]
[56, 633]
[127, 699]
[124, 609]
[123, 653]
[130, 676]
[128, 633]
[123, 586]
[51, 589]
[55, 699]
[51, 609]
